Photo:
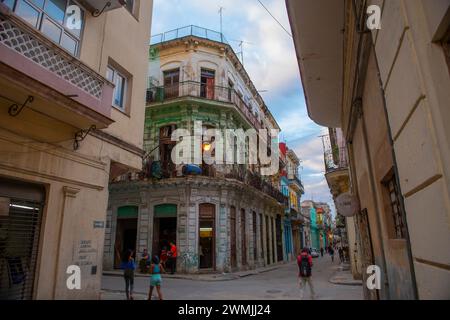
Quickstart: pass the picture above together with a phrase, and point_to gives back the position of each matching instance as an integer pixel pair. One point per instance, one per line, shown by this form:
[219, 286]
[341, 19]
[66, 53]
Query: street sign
[347, 204]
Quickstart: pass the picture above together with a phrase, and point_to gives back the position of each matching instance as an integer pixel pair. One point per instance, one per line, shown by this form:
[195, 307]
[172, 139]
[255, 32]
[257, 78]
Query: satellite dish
[347, 205]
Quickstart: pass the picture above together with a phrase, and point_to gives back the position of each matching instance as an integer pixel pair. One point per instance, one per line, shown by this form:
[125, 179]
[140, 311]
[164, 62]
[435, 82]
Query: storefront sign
[347, 205]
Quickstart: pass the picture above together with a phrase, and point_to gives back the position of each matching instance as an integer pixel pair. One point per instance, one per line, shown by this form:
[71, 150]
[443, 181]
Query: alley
[278, 284]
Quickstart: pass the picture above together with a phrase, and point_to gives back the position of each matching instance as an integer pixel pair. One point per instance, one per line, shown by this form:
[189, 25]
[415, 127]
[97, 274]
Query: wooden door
[243, 239]
[233, 237]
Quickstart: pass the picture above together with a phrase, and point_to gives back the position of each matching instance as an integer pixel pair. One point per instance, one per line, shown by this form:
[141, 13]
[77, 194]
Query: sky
[270, 60]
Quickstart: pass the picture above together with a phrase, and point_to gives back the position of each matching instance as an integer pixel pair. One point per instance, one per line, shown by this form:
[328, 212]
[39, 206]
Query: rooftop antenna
[241, 45]
[221, 26]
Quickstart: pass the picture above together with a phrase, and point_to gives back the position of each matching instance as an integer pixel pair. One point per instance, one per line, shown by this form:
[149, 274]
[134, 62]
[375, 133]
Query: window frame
[44, 15]
[125, 85]
[394, 211]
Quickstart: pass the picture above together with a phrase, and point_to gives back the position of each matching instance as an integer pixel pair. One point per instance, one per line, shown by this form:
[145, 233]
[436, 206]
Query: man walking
[304, 261]
[321, 251]
[172, 257]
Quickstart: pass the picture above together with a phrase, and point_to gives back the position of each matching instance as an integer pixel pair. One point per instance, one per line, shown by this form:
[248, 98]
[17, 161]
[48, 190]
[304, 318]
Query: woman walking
[155, 281]
[128, 265]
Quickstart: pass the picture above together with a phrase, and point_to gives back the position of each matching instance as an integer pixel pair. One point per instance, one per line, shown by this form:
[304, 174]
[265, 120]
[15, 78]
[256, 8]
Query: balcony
[197, 90]
[191, 30]
[335, 159]
[61, 87]
[295, 181]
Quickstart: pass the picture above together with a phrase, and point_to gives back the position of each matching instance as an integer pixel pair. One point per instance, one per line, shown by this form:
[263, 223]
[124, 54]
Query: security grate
[30, 47]
[397, 212]
[19, 241]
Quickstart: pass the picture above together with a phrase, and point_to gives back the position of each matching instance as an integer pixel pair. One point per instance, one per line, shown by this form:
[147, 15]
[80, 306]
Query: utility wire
[262, 4]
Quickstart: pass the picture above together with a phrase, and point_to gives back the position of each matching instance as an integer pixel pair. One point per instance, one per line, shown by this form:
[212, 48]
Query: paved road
[279, 284]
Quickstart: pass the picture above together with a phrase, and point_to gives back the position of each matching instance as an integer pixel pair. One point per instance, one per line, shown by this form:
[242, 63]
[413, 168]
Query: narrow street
[279, 284]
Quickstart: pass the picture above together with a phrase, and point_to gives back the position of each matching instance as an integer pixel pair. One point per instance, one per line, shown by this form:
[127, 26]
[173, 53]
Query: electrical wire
[262, 4]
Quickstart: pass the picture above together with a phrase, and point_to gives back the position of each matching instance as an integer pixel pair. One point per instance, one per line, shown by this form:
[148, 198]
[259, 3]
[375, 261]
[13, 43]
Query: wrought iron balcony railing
[335, 159]
[203, 91]
[188, 31]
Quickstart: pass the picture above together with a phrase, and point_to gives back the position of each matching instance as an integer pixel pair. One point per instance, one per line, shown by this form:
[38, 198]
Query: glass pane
[56, 9]
[129, 5]
[74, 19]
[110, 74]
[69, 43]
[119, 91]
[51, 30]
[39, 3]
[28, 13]
[8, 3]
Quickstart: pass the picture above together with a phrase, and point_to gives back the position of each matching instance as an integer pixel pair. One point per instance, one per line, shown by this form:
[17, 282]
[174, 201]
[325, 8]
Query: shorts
[155, 280]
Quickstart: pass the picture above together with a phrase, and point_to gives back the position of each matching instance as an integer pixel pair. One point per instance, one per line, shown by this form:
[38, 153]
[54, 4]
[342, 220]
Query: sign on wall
[347, 204]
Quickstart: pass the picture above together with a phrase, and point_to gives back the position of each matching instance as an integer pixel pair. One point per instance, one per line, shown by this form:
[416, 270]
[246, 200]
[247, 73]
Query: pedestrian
[155, 281]
[164, 256]
[341, 254]
[321, 251]
[172, 254]
[128, 265]
[144, 263]
[304, 262]
[331, 252]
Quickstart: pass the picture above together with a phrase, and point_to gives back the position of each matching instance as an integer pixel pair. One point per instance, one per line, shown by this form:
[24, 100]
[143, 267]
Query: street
[279, 284]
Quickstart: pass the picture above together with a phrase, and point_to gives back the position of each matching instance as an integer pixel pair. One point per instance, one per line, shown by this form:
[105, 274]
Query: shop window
[395, 214]
[62, 21]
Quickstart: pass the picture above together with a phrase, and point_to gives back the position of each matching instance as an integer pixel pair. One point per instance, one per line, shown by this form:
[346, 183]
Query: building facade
[71, 99]
[388, 89]
[223, 217]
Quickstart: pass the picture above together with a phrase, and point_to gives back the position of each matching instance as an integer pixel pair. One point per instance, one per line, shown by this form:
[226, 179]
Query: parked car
[314, 253]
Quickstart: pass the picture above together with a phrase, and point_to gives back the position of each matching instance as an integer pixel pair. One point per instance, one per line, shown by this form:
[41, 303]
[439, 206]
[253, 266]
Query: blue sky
[270, 60]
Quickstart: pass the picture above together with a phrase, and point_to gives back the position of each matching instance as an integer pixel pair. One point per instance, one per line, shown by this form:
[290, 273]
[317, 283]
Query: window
[130, 6]
[394, 210]
[60, 20]
[120, 82]
[207, 84]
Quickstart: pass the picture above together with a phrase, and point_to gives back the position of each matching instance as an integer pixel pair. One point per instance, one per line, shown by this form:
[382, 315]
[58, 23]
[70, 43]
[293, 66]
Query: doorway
[279, 238]
[243, 238]
[233, 237]
[164, 227]
[21, 208]
[207, 213]
[126, 232]
[207, 84]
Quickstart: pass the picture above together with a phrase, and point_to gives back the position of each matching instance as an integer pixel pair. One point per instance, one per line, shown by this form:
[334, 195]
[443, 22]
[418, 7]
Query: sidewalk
[205, 276]
[343, 276]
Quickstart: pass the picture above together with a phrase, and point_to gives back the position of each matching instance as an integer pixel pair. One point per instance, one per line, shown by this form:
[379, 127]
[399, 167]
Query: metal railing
[203, 91]
[188, 31]
[335, 159]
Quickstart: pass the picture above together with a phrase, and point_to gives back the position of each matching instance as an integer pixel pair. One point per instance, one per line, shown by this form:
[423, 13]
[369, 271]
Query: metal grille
[48, 57]
[19, 240]
[397, 212]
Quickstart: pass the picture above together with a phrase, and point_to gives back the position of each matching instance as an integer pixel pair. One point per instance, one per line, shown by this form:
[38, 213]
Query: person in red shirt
[305, 263]
[172, 257]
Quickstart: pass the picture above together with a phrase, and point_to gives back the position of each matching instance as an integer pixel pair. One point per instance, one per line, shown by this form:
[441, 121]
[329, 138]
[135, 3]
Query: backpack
[304, 266]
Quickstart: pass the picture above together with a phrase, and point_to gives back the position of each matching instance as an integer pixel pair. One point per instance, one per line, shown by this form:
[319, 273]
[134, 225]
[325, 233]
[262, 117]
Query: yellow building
[387, 85]
[72, 97]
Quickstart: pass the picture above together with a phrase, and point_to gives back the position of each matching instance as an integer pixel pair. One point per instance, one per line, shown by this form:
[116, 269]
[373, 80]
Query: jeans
[172, 264]
[129, 282]
[302, 281]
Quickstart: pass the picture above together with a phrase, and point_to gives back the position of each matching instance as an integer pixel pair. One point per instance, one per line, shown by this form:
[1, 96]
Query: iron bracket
[81, 135]
[15, 109]
[98, 13]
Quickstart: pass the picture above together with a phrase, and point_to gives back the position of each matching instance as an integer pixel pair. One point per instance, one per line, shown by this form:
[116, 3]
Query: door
[367, 256]
[126, 237]
[261, 235]
[279, 239]
[171, 83]
[233, 237]
[243, 239]
[207, 85]
[207, 214]
[255, 252]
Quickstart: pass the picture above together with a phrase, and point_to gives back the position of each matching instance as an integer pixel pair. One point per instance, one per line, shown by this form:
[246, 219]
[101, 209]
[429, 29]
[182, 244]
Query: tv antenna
[221, 16]
[241, 46]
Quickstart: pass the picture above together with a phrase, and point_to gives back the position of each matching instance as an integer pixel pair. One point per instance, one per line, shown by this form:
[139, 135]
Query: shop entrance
[21, 206]
[164, 227]
[126, 232]
[207, 214]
